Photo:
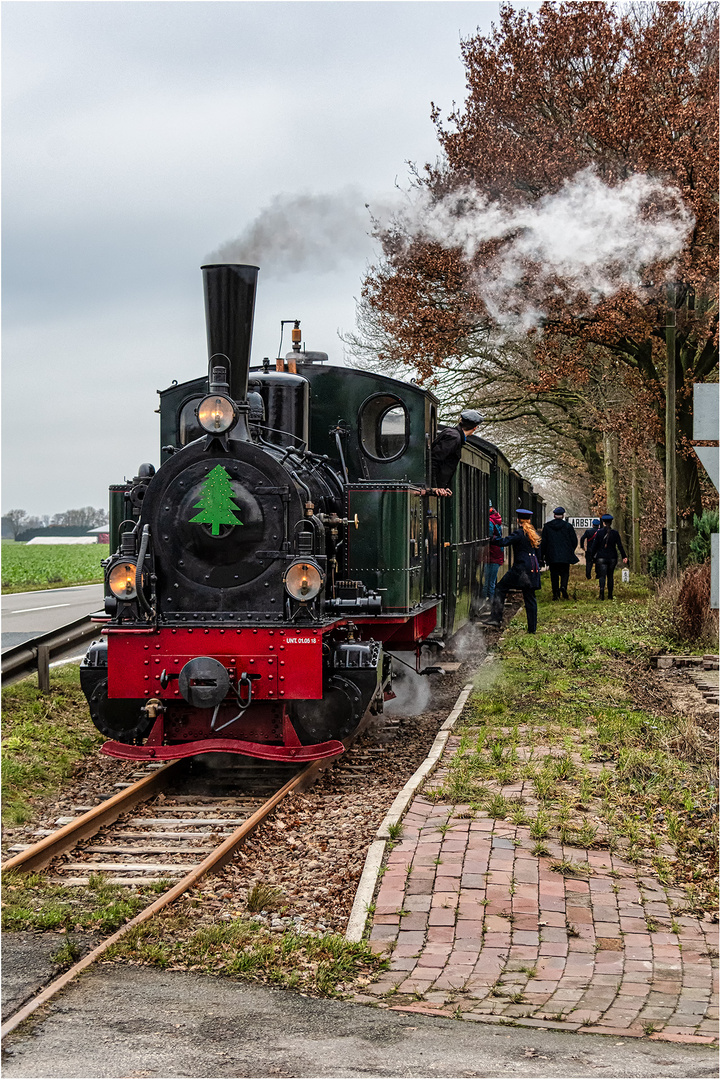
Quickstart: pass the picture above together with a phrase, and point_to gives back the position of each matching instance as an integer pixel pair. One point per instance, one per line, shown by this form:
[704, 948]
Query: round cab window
[190, 429]
[383, 426]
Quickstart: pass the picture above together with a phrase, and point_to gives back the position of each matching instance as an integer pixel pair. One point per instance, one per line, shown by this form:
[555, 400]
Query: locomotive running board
[332, 748]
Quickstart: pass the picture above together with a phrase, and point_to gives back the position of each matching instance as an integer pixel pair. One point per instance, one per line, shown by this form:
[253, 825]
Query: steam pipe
[229, 303]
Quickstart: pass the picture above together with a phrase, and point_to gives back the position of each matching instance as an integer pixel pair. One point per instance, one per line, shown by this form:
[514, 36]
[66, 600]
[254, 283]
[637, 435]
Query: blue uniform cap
[606, 517]
[596, 521]
[559, 510]
[524, 513]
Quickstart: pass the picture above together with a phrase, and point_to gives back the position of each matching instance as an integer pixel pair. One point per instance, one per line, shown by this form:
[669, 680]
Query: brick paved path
[481, 928]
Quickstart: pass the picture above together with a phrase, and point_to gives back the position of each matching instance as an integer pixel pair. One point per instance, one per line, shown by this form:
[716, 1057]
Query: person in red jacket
[495, 554]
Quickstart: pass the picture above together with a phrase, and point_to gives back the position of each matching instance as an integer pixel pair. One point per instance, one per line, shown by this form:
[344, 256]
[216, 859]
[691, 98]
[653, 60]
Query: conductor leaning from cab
[524, 574]
[447, 448]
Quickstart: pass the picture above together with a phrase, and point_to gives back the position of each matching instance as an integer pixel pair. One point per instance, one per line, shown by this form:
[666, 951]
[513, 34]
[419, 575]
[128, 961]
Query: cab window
[383, 425]
[188, 427]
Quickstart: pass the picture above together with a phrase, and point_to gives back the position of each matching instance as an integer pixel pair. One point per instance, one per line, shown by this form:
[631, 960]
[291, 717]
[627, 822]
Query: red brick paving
[471, 917]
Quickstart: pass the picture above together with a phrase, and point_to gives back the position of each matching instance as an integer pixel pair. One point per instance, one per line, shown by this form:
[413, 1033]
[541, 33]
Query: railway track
[175, 837]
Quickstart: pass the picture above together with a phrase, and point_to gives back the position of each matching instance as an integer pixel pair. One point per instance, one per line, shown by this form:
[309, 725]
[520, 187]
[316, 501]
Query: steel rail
[22, 660]
[38, 855]
[212, 862]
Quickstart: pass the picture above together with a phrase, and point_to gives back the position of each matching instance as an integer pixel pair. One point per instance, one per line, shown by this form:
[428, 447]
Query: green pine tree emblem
[216, 502]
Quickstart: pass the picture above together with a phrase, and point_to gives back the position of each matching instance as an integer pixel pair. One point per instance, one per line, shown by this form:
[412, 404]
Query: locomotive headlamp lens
[121, 580]
[303, 580]
[216, 414]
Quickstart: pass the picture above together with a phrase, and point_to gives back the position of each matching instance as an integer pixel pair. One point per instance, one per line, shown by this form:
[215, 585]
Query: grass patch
[67, 954]
[263, 897]
[45, 737]
[31, 902]
[570, 869]
[51, 566]
[326, 964]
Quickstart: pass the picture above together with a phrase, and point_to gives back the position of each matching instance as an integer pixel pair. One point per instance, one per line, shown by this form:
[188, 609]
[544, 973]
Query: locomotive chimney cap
[242, 266]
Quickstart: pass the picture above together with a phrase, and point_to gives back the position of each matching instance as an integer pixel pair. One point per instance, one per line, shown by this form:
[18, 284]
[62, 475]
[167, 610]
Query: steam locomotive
[285, 548]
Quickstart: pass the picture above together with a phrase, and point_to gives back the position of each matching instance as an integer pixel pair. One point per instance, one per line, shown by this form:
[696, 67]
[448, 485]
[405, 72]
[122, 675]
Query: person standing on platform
[524, 574]
[604, 549]
[495, 554]
[558, 550]
[447, 448]
[586, 541]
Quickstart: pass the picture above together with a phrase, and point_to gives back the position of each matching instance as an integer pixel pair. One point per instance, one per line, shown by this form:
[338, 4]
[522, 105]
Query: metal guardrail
[35, 655]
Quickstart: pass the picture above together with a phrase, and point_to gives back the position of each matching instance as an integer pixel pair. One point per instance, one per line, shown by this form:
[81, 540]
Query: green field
[50, 566]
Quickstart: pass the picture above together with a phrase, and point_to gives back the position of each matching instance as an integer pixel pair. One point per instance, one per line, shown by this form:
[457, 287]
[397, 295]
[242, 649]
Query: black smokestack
[229, 303]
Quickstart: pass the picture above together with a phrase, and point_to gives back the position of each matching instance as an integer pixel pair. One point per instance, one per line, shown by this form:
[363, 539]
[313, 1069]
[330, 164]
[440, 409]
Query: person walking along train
[586, 541]
[524, 574]
[558, 550]
[494, 555]
[604, 549]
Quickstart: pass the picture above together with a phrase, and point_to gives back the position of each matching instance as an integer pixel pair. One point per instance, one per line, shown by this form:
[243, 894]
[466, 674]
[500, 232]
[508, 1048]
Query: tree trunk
[610, 461]
[635, 519]
[588, 448]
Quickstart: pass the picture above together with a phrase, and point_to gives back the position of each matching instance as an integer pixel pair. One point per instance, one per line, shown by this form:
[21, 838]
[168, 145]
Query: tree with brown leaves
[565, 108]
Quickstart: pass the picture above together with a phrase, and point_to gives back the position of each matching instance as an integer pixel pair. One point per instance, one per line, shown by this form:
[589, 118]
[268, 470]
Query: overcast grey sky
[140, 137]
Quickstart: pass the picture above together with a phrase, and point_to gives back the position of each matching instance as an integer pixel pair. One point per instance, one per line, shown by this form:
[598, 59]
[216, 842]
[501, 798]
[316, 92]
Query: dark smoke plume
[303, 232]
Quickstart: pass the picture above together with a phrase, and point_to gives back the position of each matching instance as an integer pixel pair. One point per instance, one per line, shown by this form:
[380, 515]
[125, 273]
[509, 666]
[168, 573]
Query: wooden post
[43, 669]
[671, 534]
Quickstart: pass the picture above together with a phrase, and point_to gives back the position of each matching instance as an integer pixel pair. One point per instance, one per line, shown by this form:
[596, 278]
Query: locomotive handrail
[34, 655]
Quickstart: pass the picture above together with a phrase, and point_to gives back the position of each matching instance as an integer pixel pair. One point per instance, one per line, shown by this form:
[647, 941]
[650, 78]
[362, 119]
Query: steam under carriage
[281, 552]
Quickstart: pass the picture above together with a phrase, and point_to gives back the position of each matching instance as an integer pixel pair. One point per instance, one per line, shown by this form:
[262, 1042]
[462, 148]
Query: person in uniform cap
[604, 549]
[586, 541]
[447, 447]
[524, 574]
[558, 550]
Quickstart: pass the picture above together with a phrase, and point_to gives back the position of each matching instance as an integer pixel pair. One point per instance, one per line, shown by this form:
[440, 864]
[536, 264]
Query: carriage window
[383, 426]
[189, 428]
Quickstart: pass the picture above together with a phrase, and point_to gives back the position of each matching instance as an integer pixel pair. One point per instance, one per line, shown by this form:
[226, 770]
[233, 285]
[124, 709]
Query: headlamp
[303, 580]
[216, 414]
[121, 580]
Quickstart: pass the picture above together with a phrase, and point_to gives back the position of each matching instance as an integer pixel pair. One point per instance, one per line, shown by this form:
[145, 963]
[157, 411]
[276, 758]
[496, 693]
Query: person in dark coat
[605, 548]
[447, 447]
[586, 541]
[558, 550]
[524, 574]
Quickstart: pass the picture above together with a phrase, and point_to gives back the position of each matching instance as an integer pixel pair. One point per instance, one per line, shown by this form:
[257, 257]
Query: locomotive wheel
[335, 716]
[120, 719]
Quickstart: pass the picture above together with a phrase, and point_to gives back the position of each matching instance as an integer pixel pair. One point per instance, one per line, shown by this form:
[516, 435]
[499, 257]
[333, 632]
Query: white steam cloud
[592, 238]
[596, 238]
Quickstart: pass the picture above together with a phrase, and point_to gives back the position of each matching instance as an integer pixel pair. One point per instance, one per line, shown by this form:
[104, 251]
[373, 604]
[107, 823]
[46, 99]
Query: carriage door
[431, 553]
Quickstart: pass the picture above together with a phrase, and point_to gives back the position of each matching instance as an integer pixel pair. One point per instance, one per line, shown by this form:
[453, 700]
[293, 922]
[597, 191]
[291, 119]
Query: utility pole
[671, 534]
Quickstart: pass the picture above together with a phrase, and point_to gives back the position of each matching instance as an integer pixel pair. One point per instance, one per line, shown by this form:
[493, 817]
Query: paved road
[26, 614]
[128, 1022]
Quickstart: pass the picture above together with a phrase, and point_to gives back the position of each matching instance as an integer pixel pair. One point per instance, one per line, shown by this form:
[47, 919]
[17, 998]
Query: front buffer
[283, 694]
